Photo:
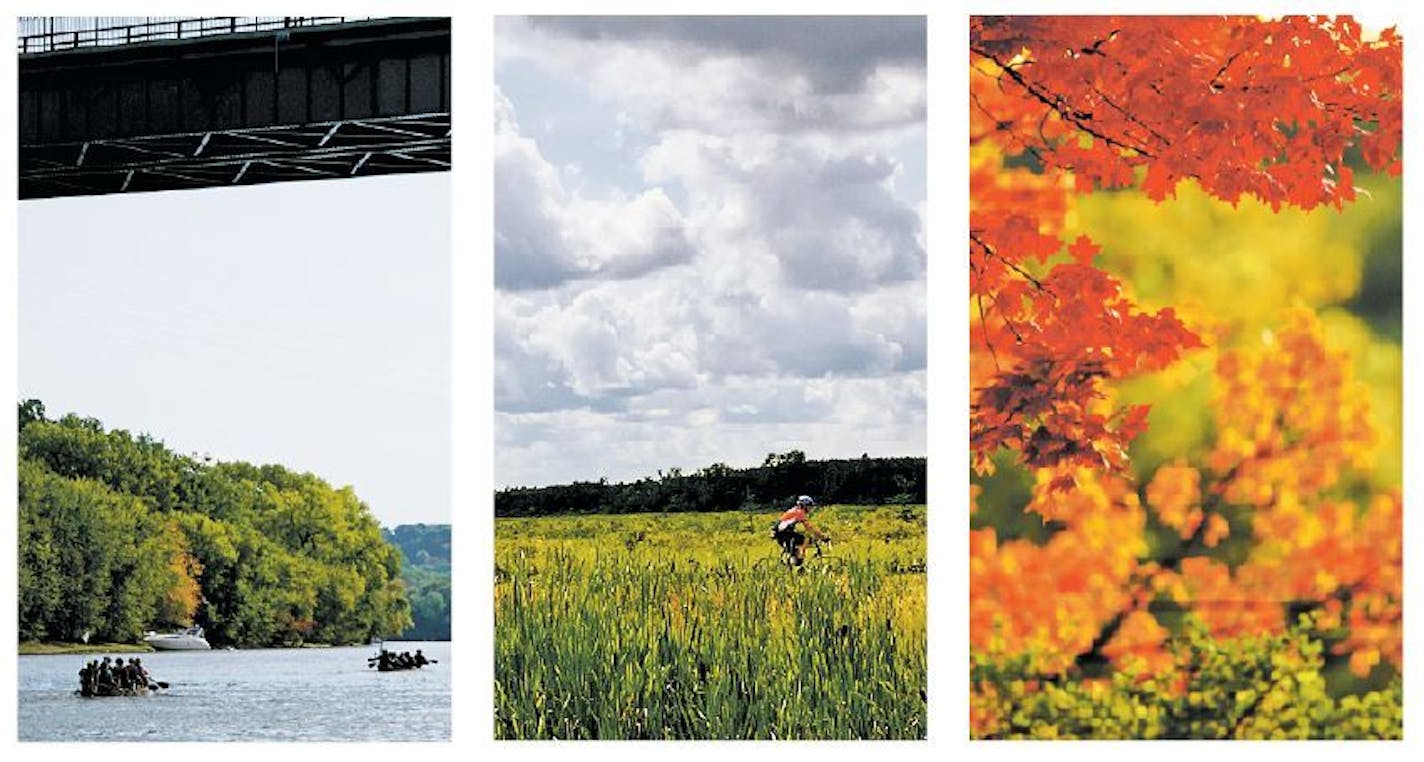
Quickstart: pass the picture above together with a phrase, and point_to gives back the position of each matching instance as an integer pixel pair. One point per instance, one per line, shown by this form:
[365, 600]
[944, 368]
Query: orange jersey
[792, 517]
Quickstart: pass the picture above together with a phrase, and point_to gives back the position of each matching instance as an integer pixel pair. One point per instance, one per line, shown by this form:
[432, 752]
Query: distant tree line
[719, 487]
[426, 571]
[118, 534]
[426, 545]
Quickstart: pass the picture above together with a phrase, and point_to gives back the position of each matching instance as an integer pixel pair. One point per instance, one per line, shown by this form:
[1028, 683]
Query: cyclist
[786, 535]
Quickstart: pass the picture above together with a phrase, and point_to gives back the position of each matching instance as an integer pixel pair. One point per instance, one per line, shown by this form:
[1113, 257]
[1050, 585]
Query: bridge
[214, 102]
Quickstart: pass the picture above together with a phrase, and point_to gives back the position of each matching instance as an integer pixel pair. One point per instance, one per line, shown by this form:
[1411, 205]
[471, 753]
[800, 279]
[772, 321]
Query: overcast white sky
[306, 324]
[709, 242]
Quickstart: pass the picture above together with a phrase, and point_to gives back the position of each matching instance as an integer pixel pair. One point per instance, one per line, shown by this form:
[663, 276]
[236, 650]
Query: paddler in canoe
[102, 679]
[388, 661]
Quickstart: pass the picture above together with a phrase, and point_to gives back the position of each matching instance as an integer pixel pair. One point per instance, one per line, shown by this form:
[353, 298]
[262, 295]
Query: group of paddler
[390, 661]
[115, 678]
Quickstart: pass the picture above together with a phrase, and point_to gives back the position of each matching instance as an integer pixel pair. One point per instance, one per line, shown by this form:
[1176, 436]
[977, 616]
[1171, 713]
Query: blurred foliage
[1237, 573]
[1229, 270]
[1265, 687]
[1232, 272]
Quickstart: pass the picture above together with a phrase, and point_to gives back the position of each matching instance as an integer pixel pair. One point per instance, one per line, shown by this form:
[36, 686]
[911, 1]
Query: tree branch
[989, 251]
[1060, 105]
[1129, 115]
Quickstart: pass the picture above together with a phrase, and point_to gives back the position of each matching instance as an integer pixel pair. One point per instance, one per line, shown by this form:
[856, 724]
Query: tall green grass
[686, 627]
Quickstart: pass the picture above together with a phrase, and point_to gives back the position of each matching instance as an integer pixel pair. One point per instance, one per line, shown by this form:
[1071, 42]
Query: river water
[301, 694]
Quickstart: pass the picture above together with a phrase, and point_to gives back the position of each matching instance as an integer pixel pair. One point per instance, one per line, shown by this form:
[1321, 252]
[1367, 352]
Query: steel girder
[324, 150]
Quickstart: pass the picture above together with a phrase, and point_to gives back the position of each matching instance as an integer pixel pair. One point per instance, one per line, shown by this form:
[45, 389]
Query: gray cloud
[778, 304]
[840, 228]
[832, 220]
[811, 75]
[837, 52]
[602, 345]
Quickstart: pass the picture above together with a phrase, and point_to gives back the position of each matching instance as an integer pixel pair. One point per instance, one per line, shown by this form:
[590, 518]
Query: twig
[989, 251]
[984, 326]
[1060, 105]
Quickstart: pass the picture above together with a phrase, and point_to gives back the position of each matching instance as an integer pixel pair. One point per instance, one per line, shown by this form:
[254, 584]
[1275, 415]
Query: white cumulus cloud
[763, 289]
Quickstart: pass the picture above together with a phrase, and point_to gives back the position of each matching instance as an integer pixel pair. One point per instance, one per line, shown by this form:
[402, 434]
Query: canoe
[115, 692]
[393, 668]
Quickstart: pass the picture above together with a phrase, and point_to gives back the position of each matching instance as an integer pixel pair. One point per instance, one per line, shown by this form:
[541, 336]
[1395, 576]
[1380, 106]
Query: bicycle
[821, 551]
[825, 556]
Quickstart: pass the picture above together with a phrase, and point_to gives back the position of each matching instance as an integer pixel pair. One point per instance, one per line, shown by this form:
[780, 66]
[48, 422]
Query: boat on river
[191, 639]
[396, 668]
[107, 691]
[390, 661]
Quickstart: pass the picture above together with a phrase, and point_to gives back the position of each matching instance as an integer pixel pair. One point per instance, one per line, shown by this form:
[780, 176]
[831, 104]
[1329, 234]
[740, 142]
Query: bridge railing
[47, 34]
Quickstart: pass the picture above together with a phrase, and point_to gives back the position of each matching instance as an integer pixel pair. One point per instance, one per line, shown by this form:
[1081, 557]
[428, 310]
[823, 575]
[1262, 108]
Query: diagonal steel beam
[387, 128]
[293, 165]
[438, 145]
[409, 157]
[331, 133]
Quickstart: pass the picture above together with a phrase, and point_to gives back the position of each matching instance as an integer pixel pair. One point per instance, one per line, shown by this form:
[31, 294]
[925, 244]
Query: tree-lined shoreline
[719, 487]
[119, 535]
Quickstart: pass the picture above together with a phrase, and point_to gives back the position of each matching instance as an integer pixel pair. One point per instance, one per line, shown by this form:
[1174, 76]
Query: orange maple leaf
[1084, 249]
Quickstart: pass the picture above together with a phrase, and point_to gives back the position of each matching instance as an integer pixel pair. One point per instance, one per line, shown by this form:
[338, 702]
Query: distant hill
[719, 487]
[423, 544]
[426, 571]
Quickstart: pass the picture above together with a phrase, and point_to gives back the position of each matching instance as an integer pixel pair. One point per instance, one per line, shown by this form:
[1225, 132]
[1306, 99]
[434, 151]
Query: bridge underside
[243, 156]
[320, 102]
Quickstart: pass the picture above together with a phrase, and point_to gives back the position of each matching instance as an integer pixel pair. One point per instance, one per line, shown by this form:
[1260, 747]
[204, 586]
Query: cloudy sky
[709, 242]
[306, 324]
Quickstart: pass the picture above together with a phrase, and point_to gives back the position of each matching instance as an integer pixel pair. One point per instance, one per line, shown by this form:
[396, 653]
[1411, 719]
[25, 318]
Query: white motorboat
[190, 639]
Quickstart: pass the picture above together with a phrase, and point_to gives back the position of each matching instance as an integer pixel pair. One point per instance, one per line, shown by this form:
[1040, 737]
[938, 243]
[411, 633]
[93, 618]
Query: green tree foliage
[1262, 687]
[719, 487]
[119, 534]
[426, 545]
[426, 548]
[429, 603]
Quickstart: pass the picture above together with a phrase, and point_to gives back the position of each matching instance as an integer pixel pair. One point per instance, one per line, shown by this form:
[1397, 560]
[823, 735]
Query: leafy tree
[96, 561]
[31, 411]
[1092, 567]
[1241, 105]
[426, 573]
[119, 534]
[1267, 687]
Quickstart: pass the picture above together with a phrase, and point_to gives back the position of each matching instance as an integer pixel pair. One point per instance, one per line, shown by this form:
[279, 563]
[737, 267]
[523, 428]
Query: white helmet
[805, 500]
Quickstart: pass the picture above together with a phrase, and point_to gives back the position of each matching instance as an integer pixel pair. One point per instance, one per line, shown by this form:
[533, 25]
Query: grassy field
[687, 626]
[35, 647]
